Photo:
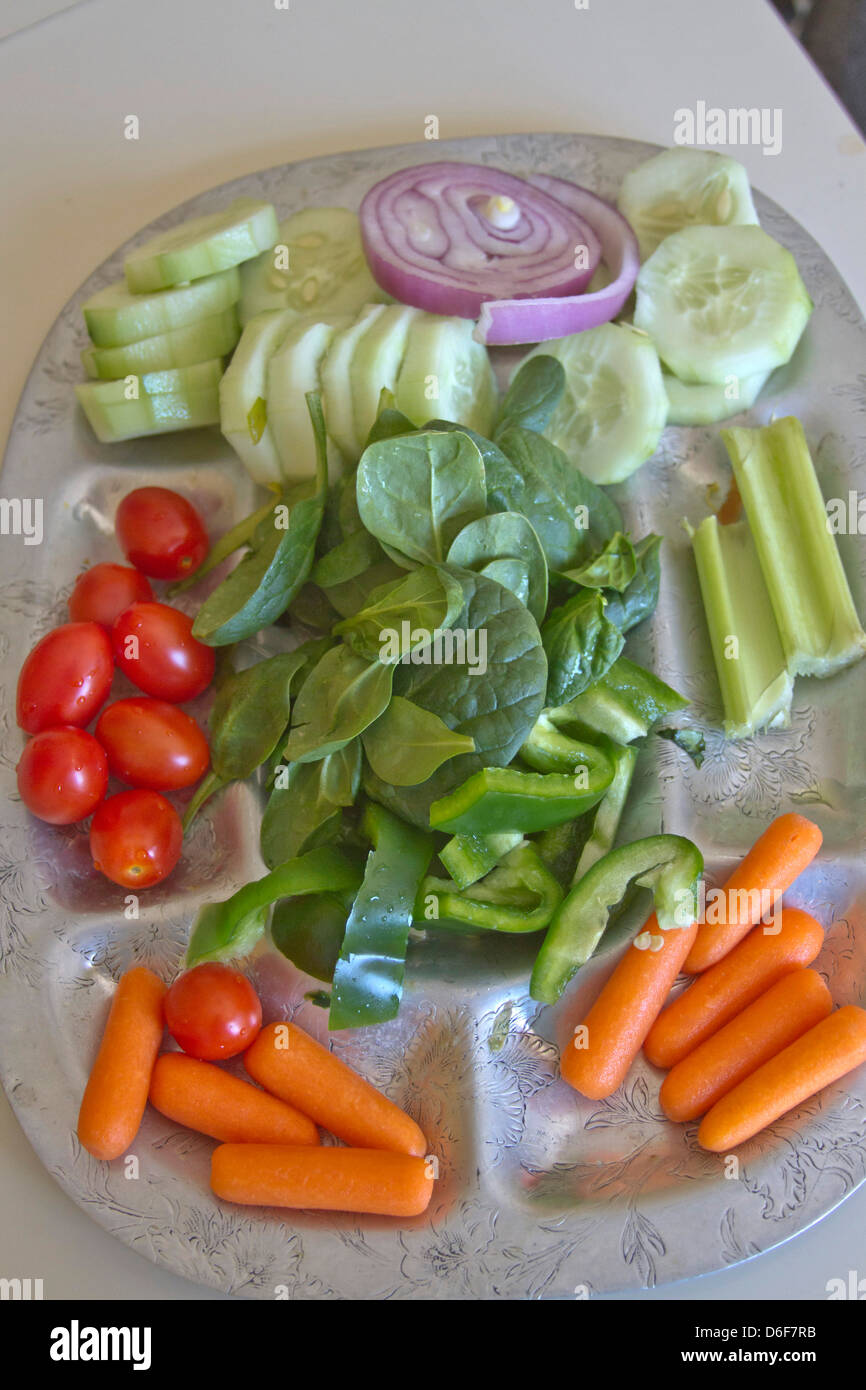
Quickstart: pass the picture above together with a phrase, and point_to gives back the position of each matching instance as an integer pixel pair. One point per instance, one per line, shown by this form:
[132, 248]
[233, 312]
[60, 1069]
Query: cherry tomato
[161, 533]
[136, 838]
[62, 775]
[102, 593]
[66, 678]
[153, 744]
[154, 646]
[213, 1012]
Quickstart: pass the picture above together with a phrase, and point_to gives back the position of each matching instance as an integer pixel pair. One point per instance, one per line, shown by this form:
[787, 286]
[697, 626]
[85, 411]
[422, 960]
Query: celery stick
[815, 614]
[747, 650]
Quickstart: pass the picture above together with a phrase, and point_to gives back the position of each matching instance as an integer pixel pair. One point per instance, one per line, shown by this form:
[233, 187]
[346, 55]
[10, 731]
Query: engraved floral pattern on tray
[541, 1194]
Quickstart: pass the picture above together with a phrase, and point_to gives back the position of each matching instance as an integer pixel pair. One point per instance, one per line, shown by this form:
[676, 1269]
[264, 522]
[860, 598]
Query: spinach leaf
[511, 574]
[352, 595]
[339, 699]
[638, 600]
[581, 646]
[407, 744]
[309, 931]
[368, 977]
[312, 608]
[250, 714]
[489, 682]
[417, 491]
[614, 567]
[504, 535]
[267, 579]
[533, 395]
[304, 798]
[572, 517]
[347, 560]
[401, 616]
[240, 534]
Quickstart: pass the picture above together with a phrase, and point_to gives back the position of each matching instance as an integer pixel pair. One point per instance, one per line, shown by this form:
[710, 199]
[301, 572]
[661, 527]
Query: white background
[226, 86]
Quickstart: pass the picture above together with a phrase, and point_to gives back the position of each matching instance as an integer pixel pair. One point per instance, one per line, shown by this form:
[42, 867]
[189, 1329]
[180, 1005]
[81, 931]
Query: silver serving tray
[542, 1194]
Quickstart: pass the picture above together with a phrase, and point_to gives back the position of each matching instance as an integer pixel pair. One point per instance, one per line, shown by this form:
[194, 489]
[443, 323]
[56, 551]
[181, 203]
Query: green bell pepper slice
[668, 864]
[499, 799]
[519, 895]
[469, 857]
[608, 813]
[230, 929]
[624, 704]
[368, 976]
[549, 749]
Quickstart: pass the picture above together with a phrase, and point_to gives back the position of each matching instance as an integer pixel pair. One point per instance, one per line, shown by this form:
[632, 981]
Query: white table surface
[226, 86]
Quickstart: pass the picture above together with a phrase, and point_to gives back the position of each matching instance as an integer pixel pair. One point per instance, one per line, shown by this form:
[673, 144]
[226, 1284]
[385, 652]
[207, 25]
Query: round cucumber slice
[114, 317]
[376, 364]
[317, 266]
[202, 246]
[243, 395]
[614, 406]
[180, 347]
[690, 404]
[720, 302]
[337, 384]
[684, 188]
[446, 374]
[155, 403]
[292, 371]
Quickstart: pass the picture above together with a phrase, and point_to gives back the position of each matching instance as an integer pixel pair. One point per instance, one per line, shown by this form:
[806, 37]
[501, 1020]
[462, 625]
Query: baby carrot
[788, 1009]
[833, 1047]
[600, 1054]
[776, 858]
[116, 1092]
[206, 1098]
[292, 1065]
[322, 1179]
[721, 992]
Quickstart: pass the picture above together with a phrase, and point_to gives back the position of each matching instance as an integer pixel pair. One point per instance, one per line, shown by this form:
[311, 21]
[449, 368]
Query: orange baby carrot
[721, 992]
[600, 1054]
[206, 1098]
[322, 1179]
[116, 1092]
[776, 858]
[788, 1009]
[292, 1065]
[833, 1047]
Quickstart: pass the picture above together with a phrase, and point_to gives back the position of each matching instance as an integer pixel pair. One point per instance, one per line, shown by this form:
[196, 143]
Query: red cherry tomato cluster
[146, 741]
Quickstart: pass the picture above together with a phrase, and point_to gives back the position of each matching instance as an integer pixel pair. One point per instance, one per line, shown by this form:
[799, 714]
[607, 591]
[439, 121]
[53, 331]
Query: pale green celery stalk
[812, 603]
[608, 813]
[747, 649]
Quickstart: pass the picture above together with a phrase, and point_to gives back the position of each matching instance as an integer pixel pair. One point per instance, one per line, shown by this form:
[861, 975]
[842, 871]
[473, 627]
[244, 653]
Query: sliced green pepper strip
[548, 749]
[368, 977]
[608, 812]
[469, 857]
[498, 799]
[520, 895]
[624, 704]
[668, 864]
[229, 929]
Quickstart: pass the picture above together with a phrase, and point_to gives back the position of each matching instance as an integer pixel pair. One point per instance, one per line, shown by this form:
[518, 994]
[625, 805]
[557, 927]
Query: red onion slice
[448, 236]
[537, 320]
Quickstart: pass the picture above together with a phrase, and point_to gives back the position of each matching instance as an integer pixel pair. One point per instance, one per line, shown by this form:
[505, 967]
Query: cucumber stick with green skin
[202, 246]
[291, 373]
[691, 403]
[337, 382]
[243, 393]
[721, 301]
[179, 347]
[447, 374]
[115, 317]
[376, 363]
[154, 403]
[681, 188]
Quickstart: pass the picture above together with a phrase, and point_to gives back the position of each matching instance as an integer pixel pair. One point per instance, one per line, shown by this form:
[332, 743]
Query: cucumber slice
[684, 188]
[114, 317]
[327, 271]
[721, 302]
[446, 375]
[292, 371]
[690, 404]
[202, 246]
[181, 399]
[337, 385]
[614, 406]
[376, 364]
[243, 395]
[181, 347]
